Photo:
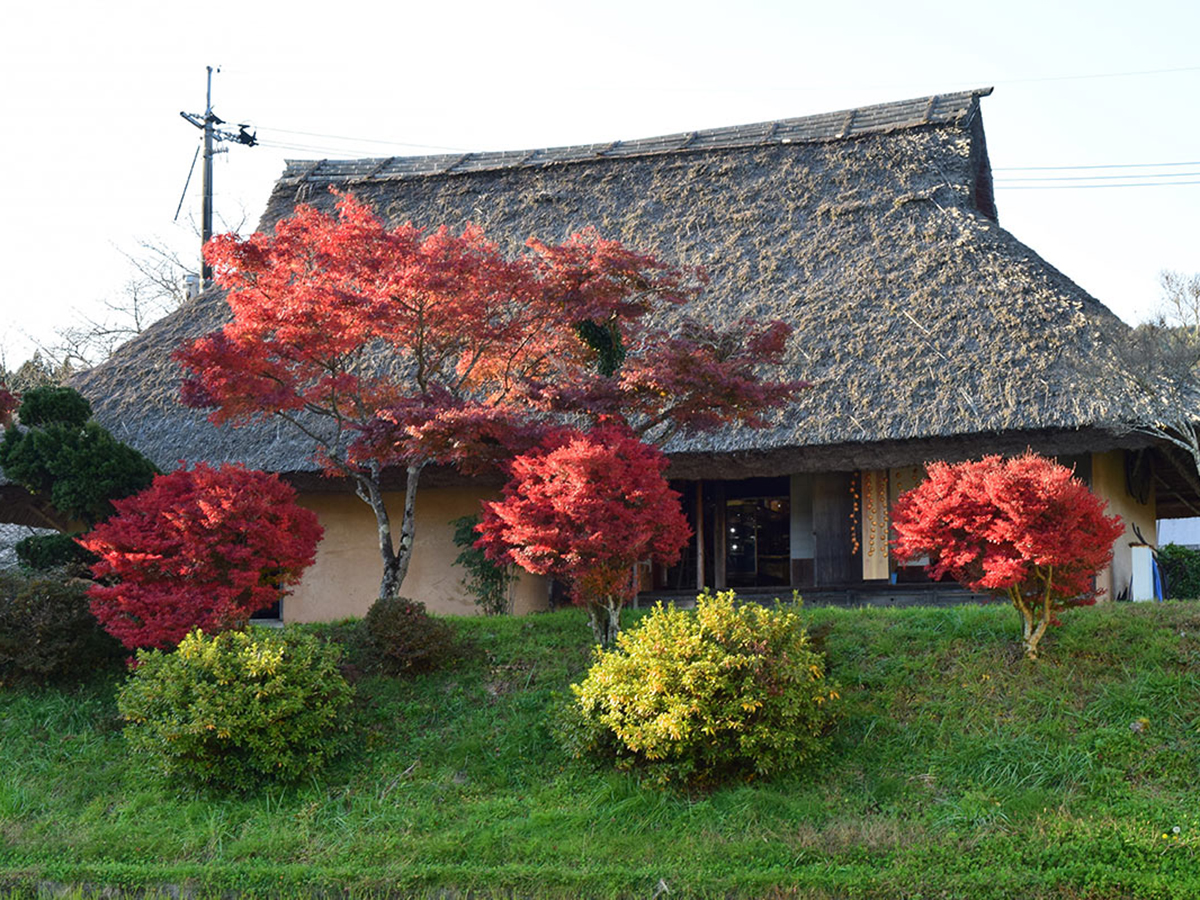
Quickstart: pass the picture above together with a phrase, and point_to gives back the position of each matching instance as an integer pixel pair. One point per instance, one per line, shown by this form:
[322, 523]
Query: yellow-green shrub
[236, 708]
[724, 691]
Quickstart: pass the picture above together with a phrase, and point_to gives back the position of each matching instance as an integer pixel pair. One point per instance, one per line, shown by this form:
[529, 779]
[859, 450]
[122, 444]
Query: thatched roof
[10, 536]
[919, 320]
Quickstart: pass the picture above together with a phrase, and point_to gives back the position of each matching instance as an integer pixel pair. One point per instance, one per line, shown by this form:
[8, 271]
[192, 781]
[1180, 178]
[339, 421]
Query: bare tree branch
[1160, 359]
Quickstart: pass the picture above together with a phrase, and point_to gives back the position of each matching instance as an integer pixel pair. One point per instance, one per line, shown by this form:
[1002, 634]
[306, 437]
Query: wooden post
[699, 535]
[720, 537]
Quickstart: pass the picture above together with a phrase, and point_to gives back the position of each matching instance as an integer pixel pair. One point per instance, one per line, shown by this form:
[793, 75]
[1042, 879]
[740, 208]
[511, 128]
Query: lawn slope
[957, 769]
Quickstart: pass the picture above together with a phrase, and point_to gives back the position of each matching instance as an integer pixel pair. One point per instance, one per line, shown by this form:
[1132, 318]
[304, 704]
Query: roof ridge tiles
[820, 127]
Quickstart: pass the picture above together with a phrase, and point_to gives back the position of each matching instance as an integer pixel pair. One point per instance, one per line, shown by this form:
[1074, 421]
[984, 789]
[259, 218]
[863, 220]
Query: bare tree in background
[157, 286]
[1161, 358]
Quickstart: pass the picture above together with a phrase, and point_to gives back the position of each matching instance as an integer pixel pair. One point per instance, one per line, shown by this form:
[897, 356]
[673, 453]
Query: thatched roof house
[927, 330]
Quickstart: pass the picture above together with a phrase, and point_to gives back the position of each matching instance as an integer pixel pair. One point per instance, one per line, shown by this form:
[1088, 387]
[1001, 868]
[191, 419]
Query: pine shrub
[237, 708]
[405, 637]
[54, 404]
[69, 459]
[47, 632]
[700, 697]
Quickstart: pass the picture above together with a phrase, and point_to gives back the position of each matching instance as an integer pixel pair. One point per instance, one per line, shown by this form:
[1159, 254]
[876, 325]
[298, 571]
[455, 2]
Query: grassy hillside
[958, 768]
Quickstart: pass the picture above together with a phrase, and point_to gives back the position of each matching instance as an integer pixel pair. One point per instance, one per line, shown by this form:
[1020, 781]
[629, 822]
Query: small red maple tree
[1025, 529]
[201, 548]
[587, 508]
[397, 347]
[8, 405]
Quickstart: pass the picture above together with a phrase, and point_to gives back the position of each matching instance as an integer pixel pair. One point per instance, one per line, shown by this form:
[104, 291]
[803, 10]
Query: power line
[342, 137]
[1068, 187]
[1098, 75]
[1100, 177]
[325, 150]
[1110, 166]
[300, 146]
[338, 152]
[311, 148]
[798, 89]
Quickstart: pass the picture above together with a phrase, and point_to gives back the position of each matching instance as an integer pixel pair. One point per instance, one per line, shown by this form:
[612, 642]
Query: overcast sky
[95, 155]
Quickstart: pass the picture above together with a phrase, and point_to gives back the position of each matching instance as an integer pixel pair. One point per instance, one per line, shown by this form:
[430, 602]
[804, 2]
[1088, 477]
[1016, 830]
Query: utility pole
[208, 124]
[206, 207]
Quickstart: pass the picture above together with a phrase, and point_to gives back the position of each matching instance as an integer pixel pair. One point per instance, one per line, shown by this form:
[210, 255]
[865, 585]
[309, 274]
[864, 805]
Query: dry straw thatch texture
[919, 321]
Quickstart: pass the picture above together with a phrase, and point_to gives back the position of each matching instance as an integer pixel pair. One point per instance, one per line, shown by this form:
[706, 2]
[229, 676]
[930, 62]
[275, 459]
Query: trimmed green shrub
[700, 697]
[42, 552]
[68, 459]
[47, 632]
[52, 403]
[1181, 565]
[236, 708]
[405, 637]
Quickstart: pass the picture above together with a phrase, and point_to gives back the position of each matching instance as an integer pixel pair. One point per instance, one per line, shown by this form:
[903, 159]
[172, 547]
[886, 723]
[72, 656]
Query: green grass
[957, 769]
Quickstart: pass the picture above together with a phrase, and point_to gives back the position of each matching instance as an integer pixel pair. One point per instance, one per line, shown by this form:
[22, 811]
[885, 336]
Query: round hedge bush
[405, 637]
[236, 708]
[699, 697]
[47, 632]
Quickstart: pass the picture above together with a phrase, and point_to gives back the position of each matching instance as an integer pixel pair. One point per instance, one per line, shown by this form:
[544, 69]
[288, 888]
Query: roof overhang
[19, 507]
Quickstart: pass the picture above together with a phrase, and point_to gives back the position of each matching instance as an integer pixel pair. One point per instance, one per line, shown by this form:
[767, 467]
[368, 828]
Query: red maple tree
[1025, 529]
[201, 548]
[587, 508]
[399, 347]
[8, 405]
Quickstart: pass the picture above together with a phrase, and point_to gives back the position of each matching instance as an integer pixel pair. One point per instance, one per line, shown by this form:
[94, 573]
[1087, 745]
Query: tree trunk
[1031, 643]
[408, 525]
[1021, 605]
[395, 561]
[1032, 640]
[605, 618]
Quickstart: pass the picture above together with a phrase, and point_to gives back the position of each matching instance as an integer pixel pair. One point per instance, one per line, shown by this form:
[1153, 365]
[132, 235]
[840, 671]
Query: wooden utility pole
[206, 208]
[208, 124]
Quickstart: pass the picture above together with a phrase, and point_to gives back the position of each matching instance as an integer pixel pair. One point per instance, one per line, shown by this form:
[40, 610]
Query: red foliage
[204, 548]
[343, 316]
[401, 347]
[587, 508]
[1023, 528]
[593, 278]
[8, 405]
[472, 436]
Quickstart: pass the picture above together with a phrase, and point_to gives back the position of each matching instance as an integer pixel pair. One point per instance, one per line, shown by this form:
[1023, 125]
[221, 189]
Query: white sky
[94, 154]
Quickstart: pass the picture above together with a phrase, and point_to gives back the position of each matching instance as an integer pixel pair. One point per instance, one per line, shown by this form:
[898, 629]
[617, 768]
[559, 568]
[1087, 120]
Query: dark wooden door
[833, 524]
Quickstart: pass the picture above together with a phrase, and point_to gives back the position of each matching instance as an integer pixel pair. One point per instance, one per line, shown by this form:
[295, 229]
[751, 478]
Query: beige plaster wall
[344, 581]
[1108, 483]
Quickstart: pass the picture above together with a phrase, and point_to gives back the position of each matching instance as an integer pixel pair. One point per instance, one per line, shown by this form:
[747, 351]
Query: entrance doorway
[757, 531]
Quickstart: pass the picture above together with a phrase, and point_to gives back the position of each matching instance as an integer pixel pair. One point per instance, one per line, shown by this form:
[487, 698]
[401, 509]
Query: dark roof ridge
[937, 109]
